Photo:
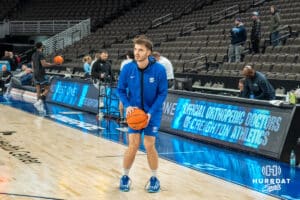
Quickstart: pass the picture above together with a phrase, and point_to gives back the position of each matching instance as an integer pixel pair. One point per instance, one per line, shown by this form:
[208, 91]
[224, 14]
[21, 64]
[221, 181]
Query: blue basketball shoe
[153, 185]
[125, 183]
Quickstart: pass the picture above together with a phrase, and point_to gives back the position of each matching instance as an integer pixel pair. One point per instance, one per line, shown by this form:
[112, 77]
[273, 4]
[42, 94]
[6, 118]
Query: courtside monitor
[4, 62]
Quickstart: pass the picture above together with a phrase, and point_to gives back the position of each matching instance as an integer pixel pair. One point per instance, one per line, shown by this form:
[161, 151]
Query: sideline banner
[249, 125]
[80, 95]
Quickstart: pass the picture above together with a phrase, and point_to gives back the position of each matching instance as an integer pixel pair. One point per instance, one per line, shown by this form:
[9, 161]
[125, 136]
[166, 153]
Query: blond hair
[87, 59]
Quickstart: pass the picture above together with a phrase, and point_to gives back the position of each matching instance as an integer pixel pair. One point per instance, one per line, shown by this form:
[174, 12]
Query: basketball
[58, 60]
[137, 120]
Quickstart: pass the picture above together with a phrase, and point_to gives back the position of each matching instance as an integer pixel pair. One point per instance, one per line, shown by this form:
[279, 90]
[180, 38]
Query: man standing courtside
[147, 85]
[101, 71]
[41, 80]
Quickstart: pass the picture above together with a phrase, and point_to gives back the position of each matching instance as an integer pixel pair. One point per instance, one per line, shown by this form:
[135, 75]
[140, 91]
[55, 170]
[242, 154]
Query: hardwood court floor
[76, 165]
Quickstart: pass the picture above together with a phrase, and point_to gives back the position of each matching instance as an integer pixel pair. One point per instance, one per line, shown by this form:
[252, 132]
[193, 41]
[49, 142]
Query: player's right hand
[129, 110]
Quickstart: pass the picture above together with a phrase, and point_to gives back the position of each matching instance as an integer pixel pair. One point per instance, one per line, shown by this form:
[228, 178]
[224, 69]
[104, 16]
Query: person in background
[274, 26]
[241, 86]
[129, 58]
[40, 78]
[27, 78]
[24, 77]
[238, 38]
[23, 71]
[7, 56]
[168, 66]
[102, 74]
[13, 64]
[5, 77]
[143, 84]
[17, 60]
[257, 85]
[255, 32]
[87, 60]
[101, 69]
[96, 57]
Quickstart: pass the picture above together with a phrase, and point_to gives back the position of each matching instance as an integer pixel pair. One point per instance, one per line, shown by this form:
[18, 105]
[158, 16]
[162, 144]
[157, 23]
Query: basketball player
[40, 78]
[147, 85]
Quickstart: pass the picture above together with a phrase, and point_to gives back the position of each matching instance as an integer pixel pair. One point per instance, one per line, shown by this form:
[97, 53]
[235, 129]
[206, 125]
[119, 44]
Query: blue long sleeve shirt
[87, 68]
[238, 35]
[146, 89]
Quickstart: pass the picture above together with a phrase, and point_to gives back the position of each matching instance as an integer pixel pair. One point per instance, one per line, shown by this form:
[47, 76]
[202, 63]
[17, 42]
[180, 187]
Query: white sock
[154, 173]
[126, 171]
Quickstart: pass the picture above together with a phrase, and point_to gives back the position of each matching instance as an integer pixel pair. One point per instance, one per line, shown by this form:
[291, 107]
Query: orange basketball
[137, 120]
[58, 60]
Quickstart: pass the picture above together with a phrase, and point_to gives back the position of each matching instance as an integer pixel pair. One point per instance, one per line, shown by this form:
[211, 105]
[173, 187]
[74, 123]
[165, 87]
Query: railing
[202, 58]
[284, 32]
[161, 20]
[67, 37]
[187, 28]
[40, 27]
[257, 2]
[199, 58]
[228, 12]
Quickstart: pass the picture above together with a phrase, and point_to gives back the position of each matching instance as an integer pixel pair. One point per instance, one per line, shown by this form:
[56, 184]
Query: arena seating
[7, 7]
[211, 43]
[195, 39]
[100, 12]
[116, 36]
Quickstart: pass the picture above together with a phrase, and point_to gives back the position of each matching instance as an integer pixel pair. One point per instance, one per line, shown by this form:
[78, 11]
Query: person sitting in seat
[24, 78]
[4, 77]
[87, 60]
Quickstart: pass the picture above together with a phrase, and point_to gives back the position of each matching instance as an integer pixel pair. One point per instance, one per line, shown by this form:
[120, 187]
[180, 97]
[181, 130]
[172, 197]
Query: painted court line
[28, 196]
[144, 154]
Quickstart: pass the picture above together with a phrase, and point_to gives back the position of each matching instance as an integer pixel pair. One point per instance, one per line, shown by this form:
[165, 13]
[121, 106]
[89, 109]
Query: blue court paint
[83, 95]
[263, 175]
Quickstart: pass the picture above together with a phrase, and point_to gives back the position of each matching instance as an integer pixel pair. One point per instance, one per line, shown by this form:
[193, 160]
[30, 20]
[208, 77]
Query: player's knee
[133, 147]
[149, 145]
